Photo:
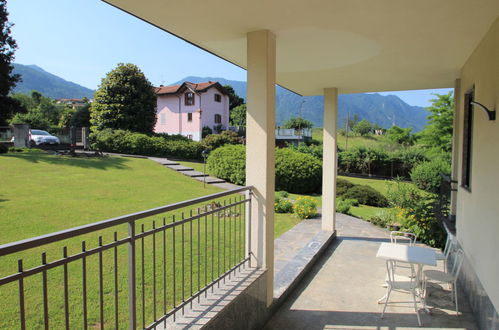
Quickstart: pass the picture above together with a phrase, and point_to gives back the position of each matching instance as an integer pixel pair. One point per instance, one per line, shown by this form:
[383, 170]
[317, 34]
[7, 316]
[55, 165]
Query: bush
[305, 207]
[311, 149]
[342, 186]
[228, 163]
[403, 195]
[297, 172]
[426, 175]
[366, 196]
[214, 141]
[206, 131]
[282, 194]
[127, 142]
[283, 205]
[344, 205]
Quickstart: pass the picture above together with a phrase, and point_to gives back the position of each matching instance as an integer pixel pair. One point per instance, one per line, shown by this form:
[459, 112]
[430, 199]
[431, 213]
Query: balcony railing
[293, 133]
[442, 206]
[137, 269]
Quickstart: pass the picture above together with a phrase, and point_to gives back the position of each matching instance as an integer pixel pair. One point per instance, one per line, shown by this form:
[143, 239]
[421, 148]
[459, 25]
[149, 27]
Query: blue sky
[82, 40]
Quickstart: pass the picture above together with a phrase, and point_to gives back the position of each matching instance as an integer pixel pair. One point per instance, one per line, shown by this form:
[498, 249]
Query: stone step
[180, 168]
[194, 174]
[209, 179]
[163, 161]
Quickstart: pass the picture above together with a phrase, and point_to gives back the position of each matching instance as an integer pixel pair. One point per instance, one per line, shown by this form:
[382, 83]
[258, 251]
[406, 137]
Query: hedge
[126, 142]
[426, 176]
[295, 172]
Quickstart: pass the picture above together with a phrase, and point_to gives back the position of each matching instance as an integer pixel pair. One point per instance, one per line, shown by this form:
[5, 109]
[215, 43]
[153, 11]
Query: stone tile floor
[342, 289]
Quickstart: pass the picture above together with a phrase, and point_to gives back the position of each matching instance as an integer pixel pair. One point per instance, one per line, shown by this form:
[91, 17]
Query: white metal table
[420, 256]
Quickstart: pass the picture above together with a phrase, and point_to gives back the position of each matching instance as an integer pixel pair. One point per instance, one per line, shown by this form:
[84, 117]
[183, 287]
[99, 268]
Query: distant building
[185, 109]
[74, 103]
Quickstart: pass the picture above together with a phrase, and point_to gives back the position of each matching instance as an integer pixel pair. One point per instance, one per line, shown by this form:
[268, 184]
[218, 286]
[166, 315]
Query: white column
[329, 166]
[455, 145]
[260, 160]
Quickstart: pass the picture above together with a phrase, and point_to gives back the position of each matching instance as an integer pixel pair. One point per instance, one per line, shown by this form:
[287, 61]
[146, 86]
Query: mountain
[35, 78]
[385, 111]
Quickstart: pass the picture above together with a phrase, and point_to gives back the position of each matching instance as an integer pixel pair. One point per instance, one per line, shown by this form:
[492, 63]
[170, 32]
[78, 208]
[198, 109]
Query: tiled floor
[342, 289]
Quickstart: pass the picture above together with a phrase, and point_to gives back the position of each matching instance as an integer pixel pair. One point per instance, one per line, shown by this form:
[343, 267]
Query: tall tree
[298, 123]
[438, 132]
[125, 100]
[234, 99]
[238, 115]
[8, 80]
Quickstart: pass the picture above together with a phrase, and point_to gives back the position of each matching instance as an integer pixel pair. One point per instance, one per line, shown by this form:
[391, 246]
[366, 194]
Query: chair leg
[386, 302]
[416, 307]
[455, 298]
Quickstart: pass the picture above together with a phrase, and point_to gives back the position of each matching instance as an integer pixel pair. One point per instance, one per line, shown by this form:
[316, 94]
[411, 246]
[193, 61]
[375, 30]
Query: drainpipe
[200, 132]
[179, 115]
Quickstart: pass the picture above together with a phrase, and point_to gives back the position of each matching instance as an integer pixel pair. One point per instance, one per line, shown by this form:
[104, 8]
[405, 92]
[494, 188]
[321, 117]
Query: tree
[352, 121]
[8, 106]
[438, 132]
[41, 112]
[238, 115]
[124, 100]
[298, 123]
[234, 99]
[400, 135]
[363, 127]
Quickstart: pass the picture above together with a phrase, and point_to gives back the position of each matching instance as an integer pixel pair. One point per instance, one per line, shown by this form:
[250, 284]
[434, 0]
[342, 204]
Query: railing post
[247, 244]
[132, 294]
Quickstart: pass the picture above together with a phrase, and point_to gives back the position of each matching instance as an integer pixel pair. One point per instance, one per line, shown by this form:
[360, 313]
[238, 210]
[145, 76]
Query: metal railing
[442, 205]
[291, 132]
[194, 246]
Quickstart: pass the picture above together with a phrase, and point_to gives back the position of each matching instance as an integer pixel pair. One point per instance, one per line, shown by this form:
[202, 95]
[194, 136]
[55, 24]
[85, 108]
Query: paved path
[342, 288]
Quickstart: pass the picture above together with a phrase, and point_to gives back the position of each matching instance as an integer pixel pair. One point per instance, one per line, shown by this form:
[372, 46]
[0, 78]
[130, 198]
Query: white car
[38, 137]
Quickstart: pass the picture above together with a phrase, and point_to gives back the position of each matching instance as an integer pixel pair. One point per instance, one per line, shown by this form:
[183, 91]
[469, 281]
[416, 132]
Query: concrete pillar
[455, 146]
[21, 135]
[329, 166]
[260, 149]
[85, 132]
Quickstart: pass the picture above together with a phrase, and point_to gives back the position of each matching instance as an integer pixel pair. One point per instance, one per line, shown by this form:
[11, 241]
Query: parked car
[39, 137]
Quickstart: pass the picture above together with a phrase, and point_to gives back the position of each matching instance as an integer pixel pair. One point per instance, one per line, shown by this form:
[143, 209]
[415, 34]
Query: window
[162, 118]
[189, 116]
[467, 140]
[218, 119]
[189, 136]
[218, 98]
[189, 98]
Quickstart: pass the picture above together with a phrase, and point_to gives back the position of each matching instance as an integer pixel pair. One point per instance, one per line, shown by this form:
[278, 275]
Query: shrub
[342, 186]
[344, 205]
[283, 205]
[312, 149]
[206, 131]
[215, 141]
[228, 163]
[282, 194]
[3, 148]
[305, 207]
[366, 195]
[426, 175]
[403, 195]
[297, 172]
[127, 142]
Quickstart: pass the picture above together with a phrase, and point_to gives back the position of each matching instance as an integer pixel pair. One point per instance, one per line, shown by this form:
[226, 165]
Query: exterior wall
[477, 213]
[168, 106]
[210, 108]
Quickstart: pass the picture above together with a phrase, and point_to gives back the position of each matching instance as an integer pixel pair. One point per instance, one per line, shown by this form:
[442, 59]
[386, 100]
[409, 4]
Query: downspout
[200, 132]
[179, 115]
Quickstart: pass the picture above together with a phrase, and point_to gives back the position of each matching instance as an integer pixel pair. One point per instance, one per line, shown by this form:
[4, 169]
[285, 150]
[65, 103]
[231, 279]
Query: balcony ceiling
[355, 45]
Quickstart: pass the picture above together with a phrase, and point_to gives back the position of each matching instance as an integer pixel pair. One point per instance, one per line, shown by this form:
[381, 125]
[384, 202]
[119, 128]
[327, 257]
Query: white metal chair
[398, 237]
[400, 283]
[446, 277]
[444, 255]
[401, 237]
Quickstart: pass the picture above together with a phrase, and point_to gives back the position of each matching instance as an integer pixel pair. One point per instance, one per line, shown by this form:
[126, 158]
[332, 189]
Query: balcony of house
[284, 136]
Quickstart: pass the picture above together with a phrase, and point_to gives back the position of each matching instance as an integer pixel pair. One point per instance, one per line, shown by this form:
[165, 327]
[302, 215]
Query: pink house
[185, 109]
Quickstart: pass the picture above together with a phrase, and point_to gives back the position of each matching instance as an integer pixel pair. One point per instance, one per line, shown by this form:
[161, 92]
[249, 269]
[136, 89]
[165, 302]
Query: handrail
[33, 242]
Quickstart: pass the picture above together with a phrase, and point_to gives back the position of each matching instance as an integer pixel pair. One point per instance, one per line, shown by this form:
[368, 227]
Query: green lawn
[42, 193]
[353, 141]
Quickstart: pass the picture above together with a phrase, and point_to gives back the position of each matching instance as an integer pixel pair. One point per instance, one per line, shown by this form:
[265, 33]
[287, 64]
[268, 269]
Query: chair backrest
[449, 244]
[458, 262]
[397, 237]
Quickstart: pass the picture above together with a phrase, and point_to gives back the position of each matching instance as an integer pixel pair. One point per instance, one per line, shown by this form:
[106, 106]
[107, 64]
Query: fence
[174, 254]
[5, 133]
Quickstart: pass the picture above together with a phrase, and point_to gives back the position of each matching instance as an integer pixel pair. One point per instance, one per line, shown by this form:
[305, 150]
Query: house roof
[354, 45]
[198, 88]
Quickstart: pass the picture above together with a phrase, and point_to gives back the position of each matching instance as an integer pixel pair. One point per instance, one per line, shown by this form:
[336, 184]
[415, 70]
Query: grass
[353, 141]
[50, 193]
